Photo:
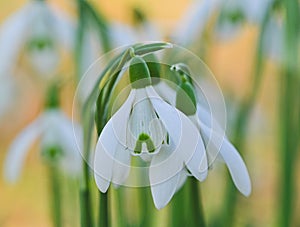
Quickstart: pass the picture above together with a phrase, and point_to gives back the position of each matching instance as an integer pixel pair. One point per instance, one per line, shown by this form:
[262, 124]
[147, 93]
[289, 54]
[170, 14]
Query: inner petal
[145, 132]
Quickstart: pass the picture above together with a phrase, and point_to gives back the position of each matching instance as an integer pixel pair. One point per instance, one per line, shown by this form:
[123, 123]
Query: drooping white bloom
[41, 31]
[220, 148]
[234, 13]
[217, 145]
[194, 21]
[123, 34]
[142, 30]
[273, 41]
[55, 131]
[148, 127]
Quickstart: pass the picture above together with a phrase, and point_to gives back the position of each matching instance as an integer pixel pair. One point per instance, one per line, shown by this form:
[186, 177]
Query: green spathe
[139, 73]
[186, 99]
[153, 66]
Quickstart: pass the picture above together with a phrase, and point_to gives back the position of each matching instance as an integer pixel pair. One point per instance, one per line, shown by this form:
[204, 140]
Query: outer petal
[113, 135]
[194, 21]
[12, 37]
[183, 176]
[235, 163]
[166, 92]
[163, 191]
[198, 159]
[122, 34]
[184, 137]
[19, 148]
[65, 29]
[180, 128]
[237, 167]
[121, 166]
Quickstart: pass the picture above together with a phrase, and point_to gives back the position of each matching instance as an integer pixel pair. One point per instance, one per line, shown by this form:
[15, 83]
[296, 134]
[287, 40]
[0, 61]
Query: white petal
[163, 186]
[166, 91]
[163, 193]
[143, 119]
[12, 37]
[182, 179]
[180, 128]
[65, 29]
[237, 168]
[71, 161]
[113, 135]
[121, 166]
[19, 148]
[198, 163]
[235, 163]
[169, 115]
[194, 21]
[104, 158]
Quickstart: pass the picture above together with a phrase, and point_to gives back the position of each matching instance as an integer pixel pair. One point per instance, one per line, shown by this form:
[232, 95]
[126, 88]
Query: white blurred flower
[57, 142]
[235, 13]
[273, 40]
[194, 21]
[122, 34]
[41, 31]
[142, 30]
[148, 127]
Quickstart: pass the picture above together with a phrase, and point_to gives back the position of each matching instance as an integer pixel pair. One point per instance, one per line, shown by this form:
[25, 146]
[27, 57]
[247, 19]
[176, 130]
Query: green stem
[196, 202]
[289, 112]
[179, 208]
[120, 208]
[103, 210]
[56, 196]
[146, 206]
[85, 199]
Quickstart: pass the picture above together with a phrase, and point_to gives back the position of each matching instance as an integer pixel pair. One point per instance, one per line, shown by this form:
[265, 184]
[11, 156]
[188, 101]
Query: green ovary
[144, 138]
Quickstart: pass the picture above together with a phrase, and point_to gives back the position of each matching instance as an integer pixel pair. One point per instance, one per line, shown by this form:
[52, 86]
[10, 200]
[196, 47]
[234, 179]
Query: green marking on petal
[52, 154]
[144, 138]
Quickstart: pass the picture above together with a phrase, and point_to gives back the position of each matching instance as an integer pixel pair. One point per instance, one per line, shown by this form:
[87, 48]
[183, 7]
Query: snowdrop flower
[57, 143]
[146, 126]
[273, 40]
[142, 30]
[234, 13]
[216, 143]
[41, 31]
[194, 21]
